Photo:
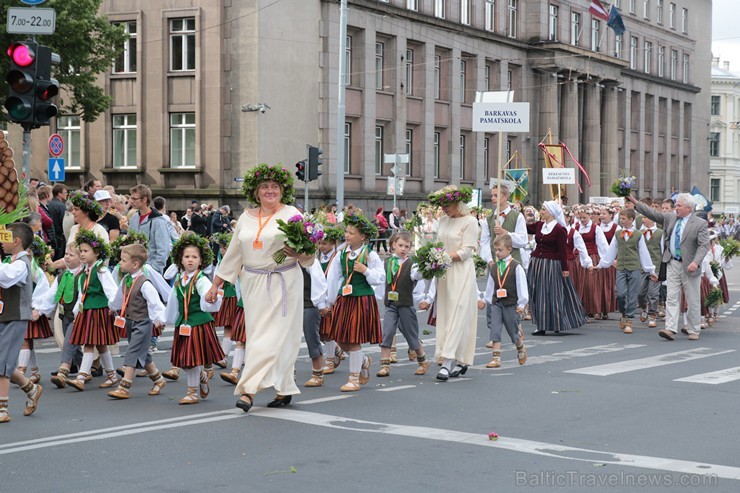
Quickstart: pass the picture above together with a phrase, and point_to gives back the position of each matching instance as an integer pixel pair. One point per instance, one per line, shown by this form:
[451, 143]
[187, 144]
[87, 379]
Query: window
[553, 30]
[595, 36]
[648, 60]
[575, 28]
[379, 149]
[125, 62]
[646, 9]
[409, 65]
[661, 60]
[674, 64]
[685, 68]
[182, 44]
[633, 52]
[409, 149]
[512, 18]
[486, 155]
[672, 15]
[714, 108]
[632, 6]
[412, 4]
[437, 75]
[618, 45]
[124, 141]
[347, 147]
[436, 154]
[439, 8]
[463, 70]
[487, 78]
[379, 66]
[509, 80]
[490, 15]
[684, 20]
[69, 128]
[660, 12]
[509, 145]
[348, 62]
[182, 140]
[714, 187]
[462, 157]
[465, 9]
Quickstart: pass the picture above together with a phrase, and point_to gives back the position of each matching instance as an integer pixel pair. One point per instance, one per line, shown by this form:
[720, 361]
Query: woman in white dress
[457, 292]
[272, 293]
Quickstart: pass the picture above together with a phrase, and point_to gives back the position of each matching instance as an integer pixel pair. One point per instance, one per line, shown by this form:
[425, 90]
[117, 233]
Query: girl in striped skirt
[93, 326]
[355, 318]
[607, 277]
[238, 337]
[327, 255]
[553, 301]
[195, 344]
[225, 316]
[592, 290]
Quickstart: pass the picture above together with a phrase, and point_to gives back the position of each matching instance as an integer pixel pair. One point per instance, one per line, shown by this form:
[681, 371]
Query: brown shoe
[412, 355]
[422, 368]
[353, 384]
[230, 376]
[35, 375]
[316, 380]
[60, 379]
[122, 391]
[111, 380]
[685, 330]
[78, 383]
[652, 322]
[172, 374]
[643, 316]
[191, 397]
[221, 364]
[385, 368]
[627, 327]
[694, 336]
[495, 362]
[622, 323]
[32, 400]
[329, 367]
[365, 372]
[667, 334]
[394, 355]
[159, 384]
[521, 354]
[489, 345]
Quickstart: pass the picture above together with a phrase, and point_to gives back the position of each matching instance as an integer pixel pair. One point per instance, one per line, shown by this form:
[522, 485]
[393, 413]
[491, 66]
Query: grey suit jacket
[694, 237]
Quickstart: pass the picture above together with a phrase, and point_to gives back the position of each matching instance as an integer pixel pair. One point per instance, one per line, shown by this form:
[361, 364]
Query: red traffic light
[20, 82]
[22, 54]
[47, 89]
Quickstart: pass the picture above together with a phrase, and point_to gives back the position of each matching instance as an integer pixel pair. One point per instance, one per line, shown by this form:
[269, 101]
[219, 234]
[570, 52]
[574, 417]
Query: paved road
[593, 408]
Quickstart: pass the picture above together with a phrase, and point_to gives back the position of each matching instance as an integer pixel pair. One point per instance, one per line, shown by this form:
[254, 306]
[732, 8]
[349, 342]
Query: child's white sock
[193, 376]
[107, 361]
[226, 345]
[330, 348]
[238, 358]
[87, 360]
[24, 357]
[355, 361]
[34, 363]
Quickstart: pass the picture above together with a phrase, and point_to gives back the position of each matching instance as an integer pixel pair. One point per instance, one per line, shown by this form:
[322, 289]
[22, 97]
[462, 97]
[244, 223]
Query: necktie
[627, 235]
[677, 240]
[501, 266]
[394, 268]
[65, 288]
[128, 280]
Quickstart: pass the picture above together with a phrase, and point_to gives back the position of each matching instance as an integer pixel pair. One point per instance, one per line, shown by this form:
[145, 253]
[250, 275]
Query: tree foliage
[86, 42]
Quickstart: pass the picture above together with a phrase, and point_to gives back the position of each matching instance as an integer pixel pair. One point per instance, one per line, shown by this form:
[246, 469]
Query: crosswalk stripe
[392, 389]
[714, 377]
[565, 355]
[649, 362]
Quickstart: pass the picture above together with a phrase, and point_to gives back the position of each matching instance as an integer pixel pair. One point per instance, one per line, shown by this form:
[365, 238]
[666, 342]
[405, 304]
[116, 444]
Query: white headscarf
[555, 211]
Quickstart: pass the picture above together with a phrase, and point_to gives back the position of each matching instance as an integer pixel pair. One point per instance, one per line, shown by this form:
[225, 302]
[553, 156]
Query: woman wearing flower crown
[86, 212]
[457, 293]
[272, 292]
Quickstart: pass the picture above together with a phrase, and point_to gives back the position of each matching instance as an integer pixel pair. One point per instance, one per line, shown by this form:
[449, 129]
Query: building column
[592, 136]
[453, 150]
[428, 120]
[369, 114]
[609, 146]
[548, 116]
[569, 126]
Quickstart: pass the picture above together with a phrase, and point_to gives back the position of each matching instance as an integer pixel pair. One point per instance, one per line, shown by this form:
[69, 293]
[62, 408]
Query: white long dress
[457, 292]
[273, 337]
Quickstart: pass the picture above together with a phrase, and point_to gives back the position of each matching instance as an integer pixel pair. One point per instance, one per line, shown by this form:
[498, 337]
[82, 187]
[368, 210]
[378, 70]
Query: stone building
[724, 139]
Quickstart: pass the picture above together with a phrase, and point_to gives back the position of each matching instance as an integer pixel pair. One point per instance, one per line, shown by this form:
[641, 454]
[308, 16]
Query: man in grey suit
[686, 243]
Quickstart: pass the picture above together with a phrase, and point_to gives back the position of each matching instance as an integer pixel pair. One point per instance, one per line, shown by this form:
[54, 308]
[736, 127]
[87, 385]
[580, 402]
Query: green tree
[87, 44]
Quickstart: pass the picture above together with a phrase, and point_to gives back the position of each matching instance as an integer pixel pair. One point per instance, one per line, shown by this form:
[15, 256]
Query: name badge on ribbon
[2, 307]
[257, 245]
[120, 322]
[392, 296]
[501, 293]
[220, 293]
[347, 290]
[185, 330]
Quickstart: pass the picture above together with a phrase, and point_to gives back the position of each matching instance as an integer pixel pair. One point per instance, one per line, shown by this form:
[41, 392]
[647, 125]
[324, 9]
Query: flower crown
[450, 195]
[334, 234]
[98, 244]
[221, 239]
[264, 172]
[39, 250]
[86, 204]
[127, 239]
[362, 224]
[192, 239]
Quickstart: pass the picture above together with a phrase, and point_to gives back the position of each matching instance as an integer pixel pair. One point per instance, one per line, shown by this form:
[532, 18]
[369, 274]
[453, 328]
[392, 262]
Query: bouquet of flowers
[480, 265]
[716, 269]
[302, 234]
[411, 224]
[432, 260]
[623, 186]
[730, 248]
[714, 298]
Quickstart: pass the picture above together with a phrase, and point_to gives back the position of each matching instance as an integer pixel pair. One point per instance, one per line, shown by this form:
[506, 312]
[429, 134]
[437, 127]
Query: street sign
[501, 117]
[33, 2]
[23, 20]
[56, 145]
[56, 169]
[391, 188]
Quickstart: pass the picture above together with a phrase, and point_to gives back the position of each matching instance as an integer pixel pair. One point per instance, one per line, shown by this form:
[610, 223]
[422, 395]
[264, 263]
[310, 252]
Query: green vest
[360, 286]
[509, 225]
[195, 315]
[229, 290]
[653, 246]
[628, 257]
[95, 297]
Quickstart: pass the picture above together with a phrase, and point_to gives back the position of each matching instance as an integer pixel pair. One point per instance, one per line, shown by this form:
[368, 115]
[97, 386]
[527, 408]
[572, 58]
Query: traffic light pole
[26, 157]
[305, 197]
[341, 104]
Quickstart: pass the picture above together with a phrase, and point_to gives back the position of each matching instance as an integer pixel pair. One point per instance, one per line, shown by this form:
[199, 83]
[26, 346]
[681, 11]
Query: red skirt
[608, 298]
[704, 289]
[356, 320]
[432, 318]
[725, 291]
[94, 327]
[325, 327]
[201, 347]
[577, 275]
[39, 329]
[225, 316]
[593, 288]
[156, 331]
[238, 329]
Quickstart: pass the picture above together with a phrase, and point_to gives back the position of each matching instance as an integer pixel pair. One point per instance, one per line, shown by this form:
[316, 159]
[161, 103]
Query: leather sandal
[245, 405]
[365, 371]
[33, 402]
[158, 386]
[231, 377]
[191, 397]
[204, 388]
[280, 401]
[521, 354]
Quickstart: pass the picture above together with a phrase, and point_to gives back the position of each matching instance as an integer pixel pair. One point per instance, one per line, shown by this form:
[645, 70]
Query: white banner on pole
[501, 117]
[561, 176]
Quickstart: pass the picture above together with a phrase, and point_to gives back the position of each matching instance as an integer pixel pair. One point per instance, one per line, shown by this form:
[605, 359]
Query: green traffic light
[18, 109]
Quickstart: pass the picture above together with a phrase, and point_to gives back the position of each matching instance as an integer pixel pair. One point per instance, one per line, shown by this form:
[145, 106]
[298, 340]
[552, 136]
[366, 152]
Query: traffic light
[21, 82]
[300, 167]
[314, 161]
[46, 87]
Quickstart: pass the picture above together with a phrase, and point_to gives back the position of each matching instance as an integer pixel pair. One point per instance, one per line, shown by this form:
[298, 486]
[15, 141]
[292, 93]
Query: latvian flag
[598, 10]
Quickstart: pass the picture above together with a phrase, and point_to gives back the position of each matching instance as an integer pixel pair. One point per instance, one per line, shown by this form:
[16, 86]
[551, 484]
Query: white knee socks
[355, 361]
[24, 357]
[238, 358]
[87, 360]
[107, 361]
[330, 348]
[226, 345]
[193, 376]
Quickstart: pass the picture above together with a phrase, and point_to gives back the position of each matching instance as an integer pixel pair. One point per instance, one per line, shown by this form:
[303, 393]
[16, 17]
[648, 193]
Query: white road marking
[565, 355]
[714, 377]
[326, 399]
[393, 389]
[649, 362]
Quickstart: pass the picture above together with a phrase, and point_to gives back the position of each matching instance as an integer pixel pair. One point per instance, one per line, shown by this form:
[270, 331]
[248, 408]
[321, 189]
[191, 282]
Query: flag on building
[615, 21]
[598, 10]
[702, 202]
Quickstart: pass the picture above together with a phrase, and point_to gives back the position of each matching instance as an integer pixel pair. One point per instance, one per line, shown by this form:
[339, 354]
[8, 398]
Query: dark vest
[404, 286]
[137, 309]
[509, 225]
[195, 315]
[17, 298]
[653, 246]
[509, 284]
[360, 286]
[95, 298]
[628, 255]
[589, 239]
[571, 245]
[307, 303]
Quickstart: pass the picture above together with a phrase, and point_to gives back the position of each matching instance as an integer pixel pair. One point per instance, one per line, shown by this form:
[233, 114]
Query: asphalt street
[594, 408]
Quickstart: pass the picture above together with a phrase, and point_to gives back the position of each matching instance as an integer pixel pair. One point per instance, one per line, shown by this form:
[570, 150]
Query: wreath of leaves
[39, 250]
[450, 195]
[264, 172]
[192, 239]
[87, 205]
[127, 239]
[221, 239]
[361, 223]
[334, 233]
[98, 244]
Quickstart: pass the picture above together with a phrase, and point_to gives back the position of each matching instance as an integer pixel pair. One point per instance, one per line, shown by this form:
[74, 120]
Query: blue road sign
[33, 2]
[56, 169]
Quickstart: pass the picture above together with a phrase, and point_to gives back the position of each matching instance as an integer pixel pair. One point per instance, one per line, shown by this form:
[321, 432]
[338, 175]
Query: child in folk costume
[508, 294]
[355, 318]
[630, 250]
[63, 296]
[716, 254]
[649, 294]
[139, 309]
[15, 313]
[314, 294]
[403, 293]
[225, 316]
[592, 288]
[238, 338]
[607, 277]
[195, 344]
[577, 254]
[93, 326]
[327, 254]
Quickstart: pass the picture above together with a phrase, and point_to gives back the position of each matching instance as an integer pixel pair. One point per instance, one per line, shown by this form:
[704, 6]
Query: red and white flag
[598, 10]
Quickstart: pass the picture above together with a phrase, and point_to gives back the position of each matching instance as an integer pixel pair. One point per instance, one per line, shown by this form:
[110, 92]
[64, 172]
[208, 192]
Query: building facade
[637, 102]
[724, 139]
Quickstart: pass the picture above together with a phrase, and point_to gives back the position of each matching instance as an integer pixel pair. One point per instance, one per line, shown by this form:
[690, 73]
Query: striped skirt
[225, 316]
[94, 326]
[157, 331]
[577, 275]
[593, 289]
[553, 301]
[725, 290]
[608, 299]
[356, 320]
[201, 347]
[432, 318]
[325, 327]
[238, 329]
[39, 329]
